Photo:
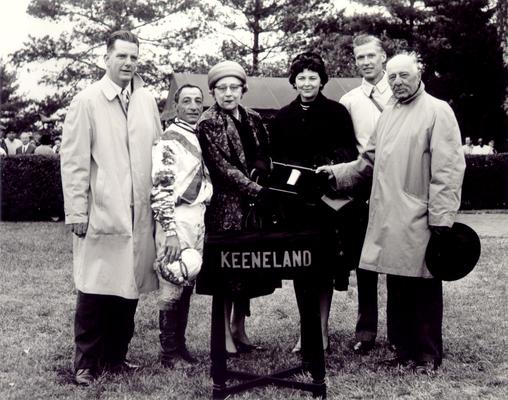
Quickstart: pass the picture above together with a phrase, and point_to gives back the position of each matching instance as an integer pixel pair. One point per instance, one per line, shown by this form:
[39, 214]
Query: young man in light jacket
[181, 190]
[365, 103]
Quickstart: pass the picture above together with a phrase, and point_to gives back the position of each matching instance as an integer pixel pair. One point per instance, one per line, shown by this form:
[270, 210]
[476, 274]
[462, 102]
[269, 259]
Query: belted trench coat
[416, 159]
[106, 178]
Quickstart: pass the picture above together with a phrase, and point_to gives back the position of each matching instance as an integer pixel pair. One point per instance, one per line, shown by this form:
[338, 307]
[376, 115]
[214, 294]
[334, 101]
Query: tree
[459, 46]
[78, 53]
[11, 102]
[264, 29]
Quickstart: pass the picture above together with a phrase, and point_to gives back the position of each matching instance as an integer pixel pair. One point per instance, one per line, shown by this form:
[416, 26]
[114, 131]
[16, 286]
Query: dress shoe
[363, 347]
[186, 355]
[123, 366]
[395, 362]
[230, 354]
[246, 347]
[84, 376]
[426, 367]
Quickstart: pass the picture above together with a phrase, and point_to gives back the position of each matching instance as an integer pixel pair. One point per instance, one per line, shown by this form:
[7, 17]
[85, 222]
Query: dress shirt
[482, 150]
[124, 94]
[12, 145]
[362, 109]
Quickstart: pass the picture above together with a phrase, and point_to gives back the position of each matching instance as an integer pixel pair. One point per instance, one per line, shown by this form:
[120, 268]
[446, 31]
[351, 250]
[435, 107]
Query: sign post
[300, 256]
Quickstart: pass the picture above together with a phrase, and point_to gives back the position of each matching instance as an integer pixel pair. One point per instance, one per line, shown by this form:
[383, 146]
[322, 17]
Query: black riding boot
[183, 317]
[168, 323]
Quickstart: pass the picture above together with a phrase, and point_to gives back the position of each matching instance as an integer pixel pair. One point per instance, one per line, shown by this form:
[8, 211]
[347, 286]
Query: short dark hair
[45, 139]
[121, 35]
[187, 85]
[311, 61]
[363, 38]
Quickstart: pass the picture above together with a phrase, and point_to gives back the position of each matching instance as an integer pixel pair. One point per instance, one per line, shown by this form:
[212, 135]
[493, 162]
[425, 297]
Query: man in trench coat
[106, 166]
[416, 160]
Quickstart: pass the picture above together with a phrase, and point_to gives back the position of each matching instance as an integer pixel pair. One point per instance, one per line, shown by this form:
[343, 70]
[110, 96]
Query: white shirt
[12, 146]
[363, 111]
[485, 150]
[468, 149]
[120, 91]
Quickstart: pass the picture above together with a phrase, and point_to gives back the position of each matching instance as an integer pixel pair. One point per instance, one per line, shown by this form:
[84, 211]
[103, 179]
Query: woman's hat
[223, 69]
[452, 255]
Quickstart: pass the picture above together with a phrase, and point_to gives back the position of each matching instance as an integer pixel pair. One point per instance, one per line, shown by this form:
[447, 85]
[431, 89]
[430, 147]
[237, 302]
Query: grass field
[36, 336]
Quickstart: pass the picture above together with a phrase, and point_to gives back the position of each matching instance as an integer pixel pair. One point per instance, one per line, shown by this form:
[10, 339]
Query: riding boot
[168, 323]
[183, 317]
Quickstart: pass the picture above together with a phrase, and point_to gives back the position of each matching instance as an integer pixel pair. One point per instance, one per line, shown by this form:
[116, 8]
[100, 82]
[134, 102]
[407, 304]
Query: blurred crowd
[480, 148]
[26, 144]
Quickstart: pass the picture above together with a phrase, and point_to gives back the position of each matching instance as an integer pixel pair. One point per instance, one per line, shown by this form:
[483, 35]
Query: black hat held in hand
[453, 255]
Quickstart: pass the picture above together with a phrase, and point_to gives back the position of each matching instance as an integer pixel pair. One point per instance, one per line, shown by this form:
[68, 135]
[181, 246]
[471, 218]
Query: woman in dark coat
[234, 142]
[310, 131]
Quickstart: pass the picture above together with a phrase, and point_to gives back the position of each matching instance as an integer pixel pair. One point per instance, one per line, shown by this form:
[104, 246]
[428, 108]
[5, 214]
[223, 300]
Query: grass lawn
[36, 335]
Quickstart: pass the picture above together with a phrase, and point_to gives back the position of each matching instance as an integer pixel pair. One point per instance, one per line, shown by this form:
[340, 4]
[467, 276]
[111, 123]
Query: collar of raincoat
[109, 90]
[419, 91]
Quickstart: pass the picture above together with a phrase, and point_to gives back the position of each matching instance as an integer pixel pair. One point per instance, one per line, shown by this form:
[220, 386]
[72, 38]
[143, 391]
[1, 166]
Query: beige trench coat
[106, 178]
[417, 179]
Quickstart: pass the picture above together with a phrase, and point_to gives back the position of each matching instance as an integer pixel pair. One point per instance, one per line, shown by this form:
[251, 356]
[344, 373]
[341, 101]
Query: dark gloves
[261, 170]
[324, 182]
[440, 230]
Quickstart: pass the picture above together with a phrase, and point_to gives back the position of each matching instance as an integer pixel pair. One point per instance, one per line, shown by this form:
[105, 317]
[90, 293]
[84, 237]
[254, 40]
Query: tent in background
[266, 95]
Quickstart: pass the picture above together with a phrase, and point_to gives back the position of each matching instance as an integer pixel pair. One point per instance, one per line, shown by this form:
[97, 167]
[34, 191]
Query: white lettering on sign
[265, 259]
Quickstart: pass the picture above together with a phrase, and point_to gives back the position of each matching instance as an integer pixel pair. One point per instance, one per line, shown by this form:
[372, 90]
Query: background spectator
[468, 146]
[492, 146]
[58, 142]
[45, 146]
[11, 143]
[481, 148]
[2, 142]
[26, 147]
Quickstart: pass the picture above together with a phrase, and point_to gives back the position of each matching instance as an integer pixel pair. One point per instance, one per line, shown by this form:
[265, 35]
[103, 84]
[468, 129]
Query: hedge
[31, 188]
[485, 182]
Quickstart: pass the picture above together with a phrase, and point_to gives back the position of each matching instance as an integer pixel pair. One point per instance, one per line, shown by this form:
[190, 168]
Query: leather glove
[439, 230]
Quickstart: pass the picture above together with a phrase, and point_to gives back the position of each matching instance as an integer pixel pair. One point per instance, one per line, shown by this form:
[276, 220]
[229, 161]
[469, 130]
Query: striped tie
[125, 98]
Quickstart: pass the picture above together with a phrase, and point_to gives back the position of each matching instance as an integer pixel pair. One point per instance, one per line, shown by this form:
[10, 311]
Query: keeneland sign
[265, 259]
[281, 255]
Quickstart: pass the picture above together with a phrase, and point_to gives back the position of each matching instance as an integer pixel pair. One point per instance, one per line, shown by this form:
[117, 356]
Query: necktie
[371, 97]
[125, 98]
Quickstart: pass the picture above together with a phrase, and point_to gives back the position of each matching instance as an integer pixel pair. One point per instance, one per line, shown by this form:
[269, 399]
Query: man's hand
[79, 229]
[326, 170]
[439, 230]
[173, 250]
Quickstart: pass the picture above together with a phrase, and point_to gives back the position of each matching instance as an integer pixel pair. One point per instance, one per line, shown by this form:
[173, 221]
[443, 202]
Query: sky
[16, 25]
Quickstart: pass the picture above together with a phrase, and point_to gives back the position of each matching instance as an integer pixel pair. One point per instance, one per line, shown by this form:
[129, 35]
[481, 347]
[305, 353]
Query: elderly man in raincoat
[417, 164]
[106, 166]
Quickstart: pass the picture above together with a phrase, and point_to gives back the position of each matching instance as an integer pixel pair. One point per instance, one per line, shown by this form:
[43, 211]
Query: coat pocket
[109, 212]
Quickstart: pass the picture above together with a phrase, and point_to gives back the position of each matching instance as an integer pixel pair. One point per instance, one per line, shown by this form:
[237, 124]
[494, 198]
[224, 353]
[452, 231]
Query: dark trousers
[366, 324]
[415, 315]
[103, 329]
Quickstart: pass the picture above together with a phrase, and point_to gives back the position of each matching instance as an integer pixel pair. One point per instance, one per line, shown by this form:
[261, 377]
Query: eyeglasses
[232, 88]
